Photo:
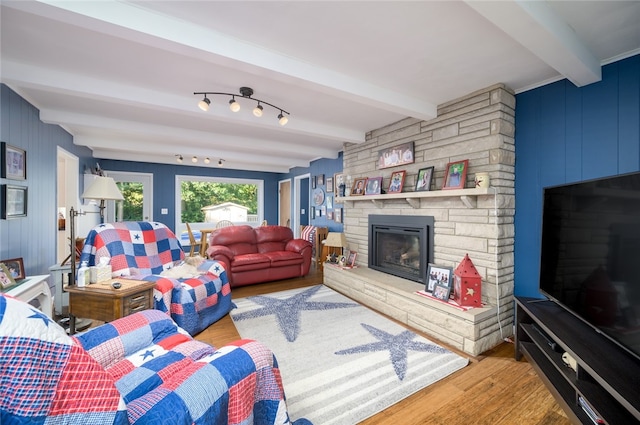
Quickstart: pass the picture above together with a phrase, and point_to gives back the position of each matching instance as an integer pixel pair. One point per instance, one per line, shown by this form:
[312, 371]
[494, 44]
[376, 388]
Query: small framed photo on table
[438, 275]
[15, 268]
[6, 280]
[351, 259]
[442, 292]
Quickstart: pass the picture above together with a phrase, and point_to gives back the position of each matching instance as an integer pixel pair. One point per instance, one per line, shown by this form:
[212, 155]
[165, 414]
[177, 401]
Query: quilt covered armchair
[143, 250]
[140, 369]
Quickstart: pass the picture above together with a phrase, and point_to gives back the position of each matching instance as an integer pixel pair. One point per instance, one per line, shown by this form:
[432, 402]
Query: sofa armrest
[297, 245]
[216, 250]
[112, 342]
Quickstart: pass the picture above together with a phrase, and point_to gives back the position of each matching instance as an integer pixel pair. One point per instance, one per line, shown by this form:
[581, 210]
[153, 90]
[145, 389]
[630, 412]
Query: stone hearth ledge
[473, 331]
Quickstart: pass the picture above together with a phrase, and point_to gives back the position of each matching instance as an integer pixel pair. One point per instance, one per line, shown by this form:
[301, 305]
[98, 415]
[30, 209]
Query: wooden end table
[100, 301]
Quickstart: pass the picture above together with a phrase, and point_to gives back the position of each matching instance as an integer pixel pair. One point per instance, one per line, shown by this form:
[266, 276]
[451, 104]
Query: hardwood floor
[493, 389]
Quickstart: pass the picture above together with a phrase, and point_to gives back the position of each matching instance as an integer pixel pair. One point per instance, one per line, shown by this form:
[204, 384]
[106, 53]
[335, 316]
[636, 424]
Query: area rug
[340, 361]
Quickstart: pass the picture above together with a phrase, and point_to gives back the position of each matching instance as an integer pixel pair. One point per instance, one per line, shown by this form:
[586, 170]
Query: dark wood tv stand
[607, 377]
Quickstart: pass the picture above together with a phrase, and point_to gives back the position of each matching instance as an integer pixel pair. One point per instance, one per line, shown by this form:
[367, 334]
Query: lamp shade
[103, 188]
[336, 239]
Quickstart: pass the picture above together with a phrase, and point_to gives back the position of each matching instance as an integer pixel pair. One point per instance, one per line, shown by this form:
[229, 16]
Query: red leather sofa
[262, 254]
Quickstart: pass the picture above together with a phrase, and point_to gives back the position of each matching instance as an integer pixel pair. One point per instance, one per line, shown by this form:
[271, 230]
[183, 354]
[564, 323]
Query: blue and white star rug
[340, 361]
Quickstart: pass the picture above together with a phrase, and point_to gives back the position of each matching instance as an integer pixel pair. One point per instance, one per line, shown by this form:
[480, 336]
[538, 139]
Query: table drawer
[137, 302]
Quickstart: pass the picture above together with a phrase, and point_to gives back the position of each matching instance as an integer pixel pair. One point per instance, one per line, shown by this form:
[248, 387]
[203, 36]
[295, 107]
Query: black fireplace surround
[401, 245]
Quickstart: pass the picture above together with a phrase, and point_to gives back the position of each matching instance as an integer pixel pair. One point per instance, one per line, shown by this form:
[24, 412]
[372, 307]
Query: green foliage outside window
[132, 204]
[196, 194]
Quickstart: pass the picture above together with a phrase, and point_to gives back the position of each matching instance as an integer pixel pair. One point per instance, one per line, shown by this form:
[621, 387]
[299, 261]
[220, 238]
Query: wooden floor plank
[493, 389]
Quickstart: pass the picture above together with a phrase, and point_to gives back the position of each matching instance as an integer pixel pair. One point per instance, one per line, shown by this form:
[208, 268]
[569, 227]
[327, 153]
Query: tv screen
[590, 254]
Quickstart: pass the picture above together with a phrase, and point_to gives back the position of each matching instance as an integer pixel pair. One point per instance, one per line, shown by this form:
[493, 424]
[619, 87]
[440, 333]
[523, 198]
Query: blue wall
[567, 134]
[328, 167]
[33, 238]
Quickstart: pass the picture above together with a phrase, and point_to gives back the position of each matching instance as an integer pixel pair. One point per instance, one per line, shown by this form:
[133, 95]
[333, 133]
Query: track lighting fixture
[234, 105]
[179, 158]
[194, 159]
[220, 162]
[207, 160]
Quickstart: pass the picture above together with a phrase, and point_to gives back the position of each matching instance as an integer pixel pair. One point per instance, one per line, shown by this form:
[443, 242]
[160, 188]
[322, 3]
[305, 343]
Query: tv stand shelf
[607, 377]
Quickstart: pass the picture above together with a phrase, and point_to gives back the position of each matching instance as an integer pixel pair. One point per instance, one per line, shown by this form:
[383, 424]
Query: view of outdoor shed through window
[213, 201]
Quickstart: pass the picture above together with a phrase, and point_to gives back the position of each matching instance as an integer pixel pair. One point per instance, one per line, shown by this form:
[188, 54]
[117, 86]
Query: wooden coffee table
[100, 301]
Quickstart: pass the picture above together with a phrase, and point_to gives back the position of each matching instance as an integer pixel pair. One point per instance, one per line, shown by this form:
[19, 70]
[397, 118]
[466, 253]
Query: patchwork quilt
[142, 250]
[141, 369]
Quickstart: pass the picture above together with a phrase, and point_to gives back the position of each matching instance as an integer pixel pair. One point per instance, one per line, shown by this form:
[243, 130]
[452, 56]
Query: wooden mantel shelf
[467, 196]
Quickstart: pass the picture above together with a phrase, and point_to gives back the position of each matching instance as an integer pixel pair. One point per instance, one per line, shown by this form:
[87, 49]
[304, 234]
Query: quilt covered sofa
[262, 254]
[140, 369]
[143, 250]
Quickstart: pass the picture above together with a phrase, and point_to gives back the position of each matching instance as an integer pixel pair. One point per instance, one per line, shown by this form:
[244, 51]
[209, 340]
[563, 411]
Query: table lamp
[335, 240]
[102, 188]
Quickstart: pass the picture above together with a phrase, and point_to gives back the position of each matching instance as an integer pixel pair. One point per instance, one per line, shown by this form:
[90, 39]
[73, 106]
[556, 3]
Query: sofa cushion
[239, 239]
[250, 262]
[283, 258]
[272, 238]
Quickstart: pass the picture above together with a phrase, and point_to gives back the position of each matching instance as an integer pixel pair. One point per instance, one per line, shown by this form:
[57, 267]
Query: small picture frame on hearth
[438, 275]
[442, 292]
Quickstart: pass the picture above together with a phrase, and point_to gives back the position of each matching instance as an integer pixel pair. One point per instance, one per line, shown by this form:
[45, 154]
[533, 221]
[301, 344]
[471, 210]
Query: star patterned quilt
[142, 250]
[141, 369]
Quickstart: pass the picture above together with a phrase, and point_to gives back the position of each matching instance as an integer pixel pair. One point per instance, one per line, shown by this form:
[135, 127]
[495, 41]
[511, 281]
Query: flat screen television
[590, 254]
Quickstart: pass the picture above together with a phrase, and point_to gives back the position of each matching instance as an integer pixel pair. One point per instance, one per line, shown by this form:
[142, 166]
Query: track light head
[194, 159]
[207, 160]
[257, 111]
[179, 158]
[204, 103]
[234, 105]
[282, 119]
[220, 162]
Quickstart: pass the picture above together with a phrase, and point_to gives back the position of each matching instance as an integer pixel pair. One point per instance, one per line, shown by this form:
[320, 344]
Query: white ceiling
[120, 75]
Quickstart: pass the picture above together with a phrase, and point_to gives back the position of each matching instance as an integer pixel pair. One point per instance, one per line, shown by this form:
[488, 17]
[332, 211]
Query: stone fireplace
[401, 245]
[479, 127]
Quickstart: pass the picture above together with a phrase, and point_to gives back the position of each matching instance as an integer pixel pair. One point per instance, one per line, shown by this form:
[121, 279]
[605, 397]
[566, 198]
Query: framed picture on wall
[397, 155]
[14, 201]
[456, 175]
[338, 181]
[320, 178]
[337, 215]
[329, 184]
[14, 162]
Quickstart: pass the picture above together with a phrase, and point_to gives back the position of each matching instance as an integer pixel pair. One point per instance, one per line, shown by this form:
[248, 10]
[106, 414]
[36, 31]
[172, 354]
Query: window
[203, 201]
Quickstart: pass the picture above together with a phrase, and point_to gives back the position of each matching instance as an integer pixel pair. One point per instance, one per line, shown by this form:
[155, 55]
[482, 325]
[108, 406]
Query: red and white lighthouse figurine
[467, 284]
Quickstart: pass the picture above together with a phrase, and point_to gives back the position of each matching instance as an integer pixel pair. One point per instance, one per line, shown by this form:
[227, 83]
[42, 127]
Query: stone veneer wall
[479, 127]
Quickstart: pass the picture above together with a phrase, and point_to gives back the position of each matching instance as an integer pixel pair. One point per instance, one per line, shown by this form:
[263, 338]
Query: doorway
[284, 203]
[67, 185]
[301, 202]
[137, 190]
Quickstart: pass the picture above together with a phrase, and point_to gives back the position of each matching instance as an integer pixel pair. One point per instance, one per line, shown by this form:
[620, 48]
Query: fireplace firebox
[401, 245]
